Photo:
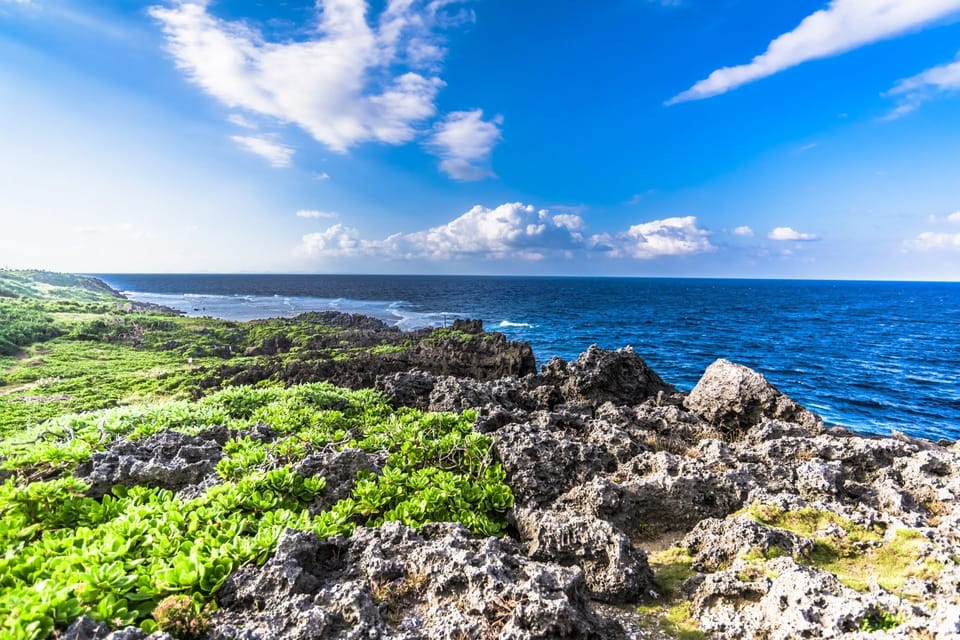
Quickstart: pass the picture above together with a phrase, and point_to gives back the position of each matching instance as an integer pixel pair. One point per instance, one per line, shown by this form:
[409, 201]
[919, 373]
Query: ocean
[871, 356]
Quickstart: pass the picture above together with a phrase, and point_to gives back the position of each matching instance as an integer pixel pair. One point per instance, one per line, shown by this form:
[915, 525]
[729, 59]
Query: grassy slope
[85, 368]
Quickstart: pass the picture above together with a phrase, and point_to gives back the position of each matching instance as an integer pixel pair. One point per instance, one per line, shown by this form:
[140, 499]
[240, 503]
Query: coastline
[698, 512]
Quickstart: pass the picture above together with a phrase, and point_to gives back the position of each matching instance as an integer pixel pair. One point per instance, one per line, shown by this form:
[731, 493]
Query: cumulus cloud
[464, 141]
[667, 237]
[512, 231]
[915, 90]
[954, 217]
[843, 25]
[744, 231]
[278, 155]
[345, 84]
[788, 233]
[313, 213]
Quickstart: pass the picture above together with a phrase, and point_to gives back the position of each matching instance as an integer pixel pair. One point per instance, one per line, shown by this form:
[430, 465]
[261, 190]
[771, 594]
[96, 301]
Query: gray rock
[85, 628]
[790, 601]
[547, 456]
[340, 469]
[393, 583]
[169, 460]
[716, 543]
[615, 571]
[735, 399]
[599, 376]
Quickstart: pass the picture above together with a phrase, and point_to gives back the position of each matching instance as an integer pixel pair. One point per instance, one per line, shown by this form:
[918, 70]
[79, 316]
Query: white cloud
[313, 213]
[278, 155]
[240, 121]
[513, 231]
[843, 25]
[464, 141]
[744, 231]
[788, 233]
[916, 90]
[931, 241]
[323, 175]
[336, 240]
[954, 217]
[667, 237]
[346, 84]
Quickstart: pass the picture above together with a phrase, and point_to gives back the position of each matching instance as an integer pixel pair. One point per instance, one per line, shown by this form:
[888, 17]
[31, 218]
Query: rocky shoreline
[640, 512]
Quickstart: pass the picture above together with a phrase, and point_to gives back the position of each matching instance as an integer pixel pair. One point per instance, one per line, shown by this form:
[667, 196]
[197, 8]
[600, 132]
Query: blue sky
[730, 138]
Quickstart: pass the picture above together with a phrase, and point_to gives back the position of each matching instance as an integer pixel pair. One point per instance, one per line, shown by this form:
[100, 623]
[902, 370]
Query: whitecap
[507, 323]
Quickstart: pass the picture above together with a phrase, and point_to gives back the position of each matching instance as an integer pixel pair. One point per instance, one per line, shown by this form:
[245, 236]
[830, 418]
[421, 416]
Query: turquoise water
[873, 356]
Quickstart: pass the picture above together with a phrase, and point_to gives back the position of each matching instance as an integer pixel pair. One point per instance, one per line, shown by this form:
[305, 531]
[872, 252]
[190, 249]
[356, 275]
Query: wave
[506, 323]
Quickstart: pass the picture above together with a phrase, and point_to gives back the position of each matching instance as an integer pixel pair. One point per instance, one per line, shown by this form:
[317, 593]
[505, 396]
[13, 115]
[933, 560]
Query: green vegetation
[81, 368]
[47, 285]
[880, 621]
[116, 559]
[858, 556]
[671, 615]
[182, 617]
[23, 324]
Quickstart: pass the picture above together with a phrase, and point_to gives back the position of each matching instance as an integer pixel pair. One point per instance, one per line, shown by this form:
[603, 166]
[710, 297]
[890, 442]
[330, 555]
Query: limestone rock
[735, 398]
[391, 582]
[169, 460]
[599, 376]
[615, 571]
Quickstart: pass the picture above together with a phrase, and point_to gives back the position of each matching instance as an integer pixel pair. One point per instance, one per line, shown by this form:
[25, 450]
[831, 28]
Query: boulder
[600, 375]
[735, 399]
[615, 571]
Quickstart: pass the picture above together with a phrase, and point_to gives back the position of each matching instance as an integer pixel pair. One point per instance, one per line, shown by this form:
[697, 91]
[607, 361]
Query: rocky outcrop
[362, 350]
[779, 528]
[169, 460]
[392, 582]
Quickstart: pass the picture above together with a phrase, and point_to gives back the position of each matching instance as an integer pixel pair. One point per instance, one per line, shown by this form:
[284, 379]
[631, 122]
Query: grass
[858, 556]
[670, 614]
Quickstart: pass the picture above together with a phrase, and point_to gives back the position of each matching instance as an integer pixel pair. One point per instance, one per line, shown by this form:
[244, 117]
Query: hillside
[49, 285]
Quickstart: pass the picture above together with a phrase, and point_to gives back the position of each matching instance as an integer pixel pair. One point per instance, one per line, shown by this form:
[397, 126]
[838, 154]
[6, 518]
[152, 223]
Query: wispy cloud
[313, 213]
[933, 241]
[744, 231]
[240, 121]
[278, 155]
[513, 231]
[788, 233]
[915, 90]
[464, 141]
[348, 84]
[843, 25]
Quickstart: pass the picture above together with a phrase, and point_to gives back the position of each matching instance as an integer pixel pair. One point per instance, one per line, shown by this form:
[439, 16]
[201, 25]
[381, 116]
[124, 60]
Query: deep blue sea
[872, 356]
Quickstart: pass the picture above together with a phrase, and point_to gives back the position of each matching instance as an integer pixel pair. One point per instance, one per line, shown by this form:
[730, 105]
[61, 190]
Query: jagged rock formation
[784, 529]
[377, 350]
[169, 460]
[603, 456]
[392, 582]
